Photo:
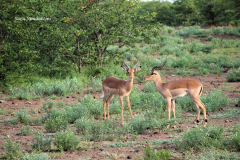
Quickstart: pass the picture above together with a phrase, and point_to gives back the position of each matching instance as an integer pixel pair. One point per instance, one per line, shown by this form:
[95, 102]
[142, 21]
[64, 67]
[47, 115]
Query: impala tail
[102, 95]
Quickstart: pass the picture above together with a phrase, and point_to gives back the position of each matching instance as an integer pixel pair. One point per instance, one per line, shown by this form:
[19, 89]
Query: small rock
[226, 121]
[1, 101]
[129, 157]
[29, 102]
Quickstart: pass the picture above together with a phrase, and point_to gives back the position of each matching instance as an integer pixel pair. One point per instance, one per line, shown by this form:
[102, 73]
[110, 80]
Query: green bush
[66, 140]
[47, 108]
[233, 75]
[212, 155]
[150, 154]
[84, 126]
[26, 130]
[40, 142]
[138, 124]
[34, 156]
[76, 111]
[198, 138]
[13, 150]
[23, 117]
[215, 100]
[234, 143]
[55, 124]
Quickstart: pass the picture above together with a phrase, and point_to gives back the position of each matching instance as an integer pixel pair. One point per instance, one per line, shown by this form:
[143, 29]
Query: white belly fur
[181, 95]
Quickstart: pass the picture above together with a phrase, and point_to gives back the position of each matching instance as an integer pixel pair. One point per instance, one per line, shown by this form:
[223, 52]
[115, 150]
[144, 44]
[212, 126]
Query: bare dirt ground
[103, 151]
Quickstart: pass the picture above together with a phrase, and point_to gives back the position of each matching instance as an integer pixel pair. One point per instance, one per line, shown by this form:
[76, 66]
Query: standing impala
[119, 87]
[176, 89]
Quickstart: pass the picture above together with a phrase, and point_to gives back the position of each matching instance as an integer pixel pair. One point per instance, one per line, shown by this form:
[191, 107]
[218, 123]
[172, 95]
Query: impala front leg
[121, 102]
[104, 102]
[169, 107]
[108, 102]
[129, 106]
[173, 107]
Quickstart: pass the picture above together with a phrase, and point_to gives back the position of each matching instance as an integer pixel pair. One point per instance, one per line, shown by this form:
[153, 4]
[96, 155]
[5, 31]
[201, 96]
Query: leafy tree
[90, 26]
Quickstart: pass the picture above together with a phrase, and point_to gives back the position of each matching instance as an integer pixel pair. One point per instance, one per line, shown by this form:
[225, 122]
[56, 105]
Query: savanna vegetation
[51, 50]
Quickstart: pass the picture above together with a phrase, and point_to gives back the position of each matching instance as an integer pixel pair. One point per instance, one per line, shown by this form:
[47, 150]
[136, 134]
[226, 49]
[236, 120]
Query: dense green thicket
[193, 12]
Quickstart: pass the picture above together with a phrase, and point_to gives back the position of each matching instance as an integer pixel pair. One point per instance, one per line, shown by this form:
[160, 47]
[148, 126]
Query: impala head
[152, 76]
[131, 70]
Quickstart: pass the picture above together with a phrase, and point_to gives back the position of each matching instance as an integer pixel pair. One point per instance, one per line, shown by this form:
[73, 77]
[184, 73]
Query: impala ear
[125, 69]
[137, 69]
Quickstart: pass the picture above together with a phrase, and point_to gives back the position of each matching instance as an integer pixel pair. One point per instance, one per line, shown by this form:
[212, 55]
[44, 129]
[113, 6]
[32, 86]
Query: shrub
[76, 111]
[233, 75]
[150, 154]
[215, 100]
[34, 156]
[66, 140]
[234, 143]
[200, 137]
[84, 125]
[139, 124]
[26, 130]
[23, 117]
[13, 150]
[40, 142]
[47, 108]
[55, 124]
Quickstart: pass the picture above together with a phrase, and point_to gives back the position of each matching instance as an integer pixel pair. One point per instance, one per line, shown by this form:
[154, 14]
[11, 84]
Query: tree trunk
[79, 58]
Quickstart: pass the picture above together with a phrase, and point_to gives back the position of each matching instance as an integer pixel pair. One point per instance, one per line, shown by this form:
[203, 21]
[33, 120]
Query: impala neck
[158, 81]
[129, 84]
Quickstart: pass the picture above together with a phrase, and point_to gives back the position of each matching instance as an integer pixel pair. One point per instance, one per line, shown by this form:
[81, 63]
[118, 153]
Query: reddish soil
[103, 151]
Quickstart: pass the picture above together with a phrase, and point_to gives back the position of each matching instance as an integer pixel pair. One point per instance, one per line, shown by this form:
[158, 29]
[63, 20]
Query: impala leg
[169, 108]
[108, 102]
[173, 107]
[173, 110]
[104, 102]
[203, 107]
[121, 102]
[198, 113]
[129, 106]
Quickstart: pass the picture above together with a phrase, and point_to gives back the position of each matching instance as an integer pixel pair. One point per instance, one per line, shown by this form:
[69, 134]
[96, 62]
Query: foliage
[66, 140]
[233, 75]
[23, 117]
[199, 137]
[26, 130]
[13, 150]
[34, 156]
[234, 143]
[150, 154]
[41, 142]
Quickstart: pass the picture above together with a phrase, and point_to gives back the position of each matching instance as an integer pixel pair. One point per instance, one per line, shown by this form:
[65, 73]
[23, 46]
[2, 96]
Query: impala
[176, 89]
[119, 87]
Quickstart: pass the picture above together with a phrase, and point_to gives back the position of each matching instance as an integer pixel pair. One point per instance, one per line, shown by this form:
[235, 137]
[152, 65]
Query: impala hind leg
[108, 102]
[173, 110]
[129, 106]
[104, 102]
[203, 107]
[198, 113]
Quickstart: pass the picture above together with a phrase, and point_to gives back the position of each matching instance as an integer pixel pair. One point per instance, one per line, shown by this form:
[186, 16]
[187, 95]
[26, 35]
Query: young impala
[176, 89]
[119, 87]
